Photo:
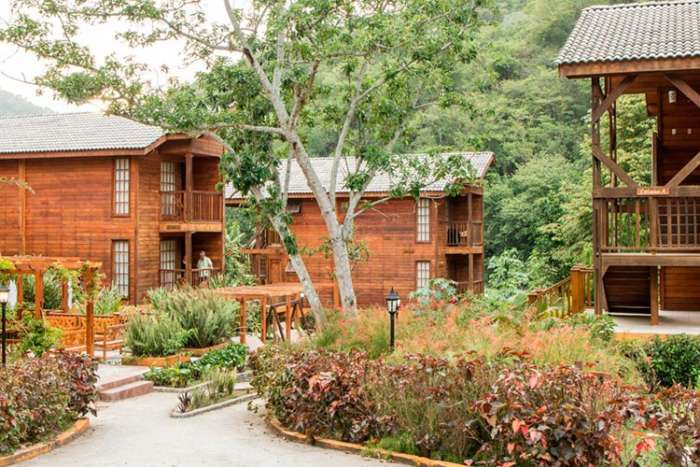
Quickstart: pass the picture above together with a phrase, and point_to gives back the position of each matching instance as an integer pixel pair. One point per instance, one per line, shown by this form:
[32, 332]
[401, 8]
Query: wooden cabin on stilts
[646, 237]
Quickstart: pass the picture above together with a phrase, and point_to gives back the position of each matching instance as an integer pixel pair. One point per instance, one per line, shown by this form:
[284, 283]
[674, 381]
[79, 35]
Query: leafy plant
[233, 356]
[220, 385]
[41, 396]
[178, 376]
[155, 335]
[208, 317]
[37, 337]
[675, 360]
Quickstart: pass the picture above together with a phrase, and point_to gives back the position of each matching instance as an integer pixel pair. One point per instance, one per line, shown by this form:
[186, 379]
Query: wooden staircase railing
[568, 296]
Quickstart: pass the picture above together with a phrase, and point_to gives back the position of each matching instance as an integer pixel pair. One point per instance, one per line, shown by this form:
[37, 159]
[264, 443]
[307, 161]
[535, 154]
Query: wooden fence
[568, 296]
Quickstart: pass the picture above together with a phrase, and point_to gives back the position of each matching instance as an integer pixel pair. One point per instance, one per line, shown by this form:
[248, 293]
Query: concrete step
[125, 391]
[117, 382]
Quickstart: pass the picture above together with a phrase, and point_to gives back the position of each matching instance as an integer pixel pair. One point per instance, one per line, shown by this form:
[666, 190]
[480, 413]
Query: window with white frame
[422, 274]
[168, 185]
[120, 266]
[423, 220]
[121, 187]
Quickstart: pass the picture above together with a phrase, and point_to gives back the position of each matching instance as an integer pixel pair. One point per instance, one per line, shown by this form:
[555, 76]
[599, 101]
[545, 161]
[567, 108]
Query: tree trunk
[343, 274]
[309, 289]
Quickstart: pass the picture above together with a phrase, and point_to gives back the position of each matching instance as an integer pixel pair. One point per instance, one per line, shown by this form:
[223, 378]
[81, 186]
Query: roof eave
[619, 67]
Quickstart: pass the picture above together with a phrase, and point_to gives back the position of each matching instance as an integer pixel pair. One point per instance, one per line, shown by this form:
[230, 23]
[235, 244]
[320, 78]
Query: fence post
[533, 296]
[578, 287]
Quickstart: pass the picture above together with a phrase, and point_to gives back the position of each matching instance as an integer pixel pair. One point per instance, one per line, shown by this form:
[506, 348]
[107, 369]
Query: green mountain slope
[12, 104]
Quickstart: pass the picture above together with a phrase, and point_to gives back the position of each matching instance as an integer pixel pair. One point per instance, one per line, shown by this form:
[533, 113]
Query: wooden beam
[612, 165]
[612, 97]
[587, 70]
[682, 174]
[685, 88]
[654, 294]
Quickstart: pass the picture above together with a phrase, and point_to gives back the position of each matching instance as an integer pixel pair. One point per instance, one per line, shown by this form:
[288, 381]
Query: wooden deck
[671, 322]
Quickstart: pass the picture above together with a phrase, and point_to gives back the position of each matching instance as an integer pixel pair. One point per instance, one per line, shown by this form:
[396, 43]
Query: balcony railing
[185, 206]
[464, 234]
[176, 277]
[649, 224]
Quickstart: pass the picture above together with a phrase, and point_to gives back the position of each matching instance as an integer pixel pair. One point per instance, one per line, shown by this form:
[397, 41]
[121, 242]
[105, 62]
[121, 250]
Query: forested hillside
[538, 193]
[12, 104]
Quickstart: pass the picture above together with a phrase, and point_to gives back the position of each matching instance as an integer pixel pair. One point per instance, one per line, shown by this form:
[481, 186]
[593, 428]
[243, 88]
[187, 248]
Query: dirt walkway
[138, 432]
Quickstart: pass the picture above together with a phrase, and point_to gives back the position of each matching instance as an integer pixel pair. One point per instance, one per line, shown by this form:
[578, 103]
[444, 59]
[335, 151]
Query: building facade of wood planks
[103, 188]
[407, 241]
[646, 236]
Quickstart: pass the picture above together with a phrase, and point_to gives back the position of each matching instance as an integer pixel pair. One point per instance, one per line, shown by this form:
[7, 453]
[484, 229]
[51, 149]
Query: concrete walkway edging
[35, 450]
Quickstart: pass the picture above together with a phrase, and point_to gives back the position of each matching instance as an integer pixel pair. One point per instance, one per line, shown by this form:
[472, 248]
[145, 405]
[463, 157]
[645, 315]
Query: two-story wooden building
[408, 242]
[646, 239]
[107, 189]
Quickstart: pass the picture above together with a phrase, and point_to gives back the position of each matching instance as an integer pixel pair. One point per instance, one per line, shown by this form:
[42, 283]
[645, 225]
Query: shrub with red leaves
[41, 396]
[322, 394]
[551, 416]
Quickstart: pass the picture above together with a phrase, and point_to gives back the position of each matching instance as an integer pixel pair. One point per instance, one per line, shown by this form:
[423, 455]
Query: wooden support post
[578, 287]
[90, 319]
[263, 318]
[654, 294]
[38, 295]
[20, 289]
[22, 175]
[288, 318]
[188, 258]
[244, 320]
[596, 98]
[64, 296]
[188, 186]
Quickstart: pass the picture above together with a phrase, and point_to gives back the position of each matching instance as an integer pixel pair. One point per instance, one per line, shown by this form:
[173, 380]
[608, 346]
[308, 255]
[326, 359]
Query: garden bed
[327, 443]
[198, 352]
[30, 452]
[239, 396]
[160, 362]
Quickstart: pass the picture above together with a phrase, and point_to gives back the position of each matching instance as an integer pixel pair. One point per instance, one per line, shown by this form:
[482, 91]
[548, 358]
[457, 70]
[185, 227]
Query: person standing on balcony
[205, 267]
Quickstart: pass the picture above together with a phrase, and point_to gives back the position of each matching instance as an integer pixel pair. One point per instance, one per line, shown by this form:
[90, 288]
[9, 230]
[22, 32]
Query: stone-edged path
[139, 432]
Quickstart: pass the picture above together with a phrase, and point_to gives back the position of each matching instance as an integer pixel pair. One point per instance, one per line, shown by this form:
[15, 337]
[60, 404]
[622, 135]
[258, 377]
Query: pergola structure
[37, 266]
[272, 295]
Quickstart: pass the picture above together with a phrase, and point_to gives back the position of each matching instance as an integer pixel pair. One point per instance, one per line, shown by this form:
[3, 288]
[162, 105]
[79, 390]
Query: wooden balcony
[649, 225]
[463, 237]
[191, 210]
[177, 277]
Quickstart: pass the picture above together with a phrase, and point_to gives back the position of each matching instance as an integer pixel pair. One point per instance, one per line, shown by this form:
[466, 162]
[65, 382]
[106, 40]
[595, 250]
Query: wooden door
[275, 270]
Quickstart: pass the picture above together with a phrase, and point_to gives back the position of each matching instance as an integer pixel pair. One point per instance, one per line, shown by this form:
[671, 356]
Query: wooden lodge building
[107, 189]
[408, 242]
[646, 239]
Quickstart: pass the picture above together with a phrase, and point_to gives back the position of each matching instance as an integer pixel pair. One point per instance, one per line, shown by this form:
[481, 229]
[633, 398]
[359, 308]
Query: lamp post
[393, 302]
[4, 297]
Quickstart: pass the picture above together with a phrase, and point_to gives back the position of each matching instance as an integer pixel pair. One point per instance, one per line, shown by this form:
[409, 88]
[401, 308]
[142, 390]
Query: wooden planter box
[161, 362]
[36, 450]
[198, 352]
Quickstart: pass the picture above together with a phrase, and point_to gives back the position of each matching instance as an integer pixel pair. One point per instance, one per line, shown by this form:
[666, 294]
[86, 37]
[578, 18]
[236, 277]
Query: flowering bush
[41, 396]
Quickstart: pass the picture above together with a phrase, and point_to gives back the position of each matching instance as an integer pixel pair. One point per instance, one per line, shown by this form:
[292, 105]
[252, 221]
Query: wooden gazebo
[37, 266]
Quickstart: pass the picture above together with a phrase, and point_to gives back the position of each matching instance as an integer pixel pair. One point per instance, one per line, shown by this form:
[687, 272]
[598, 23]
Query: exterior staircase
[122, 383]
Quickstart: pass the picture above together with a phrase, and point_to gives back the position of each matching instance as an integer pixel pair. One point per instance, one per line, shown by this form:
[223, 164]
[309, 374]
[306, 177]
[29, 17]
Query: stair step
[114, 381]
[132, 389]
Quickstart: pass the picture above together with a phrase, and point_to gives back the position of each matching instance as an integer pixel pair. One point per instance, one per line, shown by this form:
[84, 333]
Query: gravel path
[138, 432]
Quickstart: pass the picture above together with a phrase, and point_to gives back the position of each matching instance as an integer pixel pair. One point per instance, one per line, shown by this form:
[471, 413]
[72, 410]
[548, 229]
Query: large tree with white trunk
[364, 70]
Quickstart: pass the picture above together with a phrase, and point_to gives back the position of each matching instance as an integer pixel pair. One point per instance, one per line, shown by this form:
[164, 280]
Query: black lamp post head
[4, 294]
[392, 301]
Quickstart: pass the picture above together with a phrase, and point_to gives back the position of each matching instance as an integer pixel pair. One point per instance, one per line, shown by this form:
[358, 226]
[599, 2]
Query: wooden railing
[568, 296]
[198, 206]
[649, 224]
[172, 205]
[464, 233]
[206, 206]
[264, 238]
[176, 277]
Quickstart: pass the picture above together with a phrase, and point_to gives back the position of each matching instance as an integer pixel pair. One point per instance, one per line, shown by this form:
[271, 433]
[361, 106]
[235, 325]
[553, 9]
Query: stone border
[211, 408]
[172, 390]
[400, 457]
[30, 452]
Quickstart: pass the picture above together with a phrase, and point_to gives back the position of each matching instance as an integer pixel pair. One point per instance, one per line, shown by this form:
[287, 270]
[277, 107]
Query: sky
[17, 65]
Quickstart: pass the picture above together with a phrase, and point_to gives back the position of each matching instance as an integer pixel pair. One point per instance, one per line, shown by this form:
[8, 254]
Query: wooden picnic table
[282, 292]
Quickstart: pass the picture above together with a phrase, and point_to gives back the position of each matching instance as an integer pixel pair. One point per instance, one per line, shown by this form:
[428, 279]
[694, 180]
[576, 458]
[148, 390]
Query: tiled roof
[381, 183]
[634, 31]
[73, 132]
